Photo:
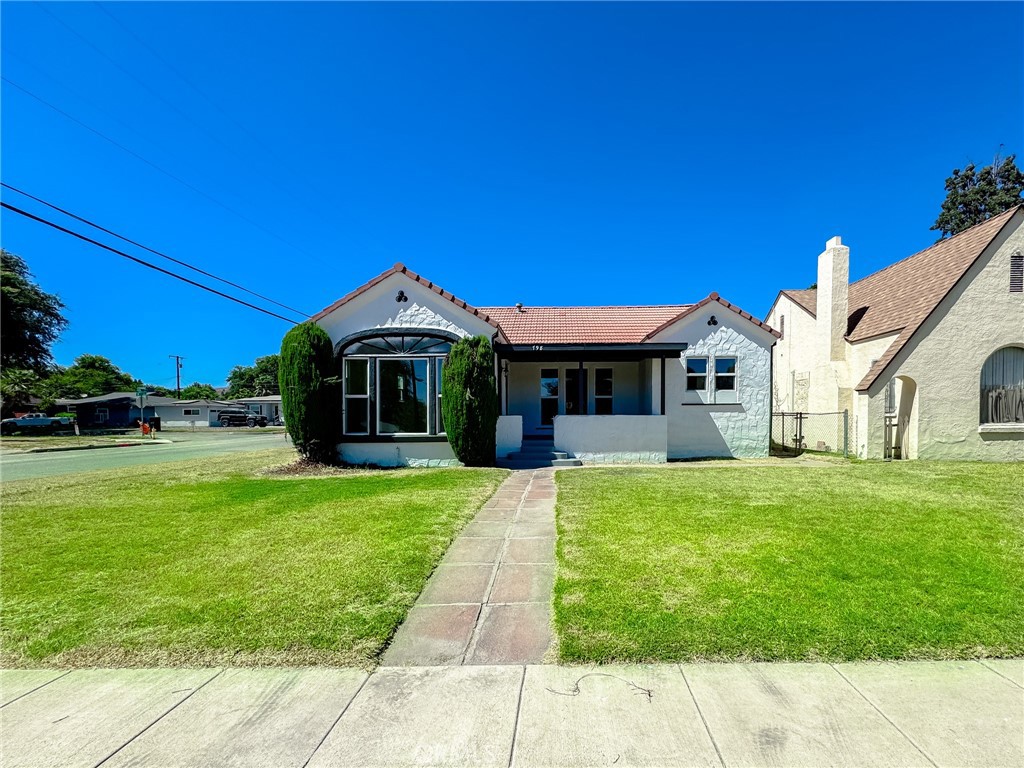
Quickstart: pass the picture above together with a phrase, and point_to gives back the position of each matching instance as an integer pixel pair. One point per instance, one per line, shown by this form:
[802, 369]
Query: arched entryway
[901, 418]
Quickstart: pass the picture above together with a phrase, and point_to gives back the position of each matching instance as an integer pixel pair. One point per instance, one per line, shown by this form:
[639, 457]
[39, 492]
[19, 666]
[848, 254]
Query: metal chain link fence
[796, 433]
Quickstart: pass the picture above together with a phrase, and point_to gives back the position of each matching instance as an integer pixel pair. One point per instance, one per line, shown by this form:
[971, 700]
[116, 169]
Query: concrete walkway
[909, 714]
[489, 601]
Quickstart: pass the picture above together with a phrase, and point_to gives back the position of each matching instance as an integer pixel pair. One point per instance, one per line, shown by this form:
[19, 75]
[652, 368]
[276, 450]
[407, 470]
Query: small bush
[469, 401]
[309, 392]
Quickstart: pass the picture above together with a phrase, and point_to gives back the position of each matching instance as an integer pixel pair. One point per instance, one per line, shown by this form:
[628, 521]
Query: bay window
[392, 385]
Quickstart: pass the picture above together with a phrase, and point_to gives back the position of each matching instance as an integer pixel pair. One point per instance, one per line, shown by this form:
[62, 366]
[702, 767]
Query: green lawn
[852, 561]
[204, 562]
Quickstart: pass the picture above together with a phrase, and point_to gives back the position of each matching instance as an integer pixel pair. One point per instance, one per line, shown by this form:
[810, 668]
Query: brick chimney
[833, 298]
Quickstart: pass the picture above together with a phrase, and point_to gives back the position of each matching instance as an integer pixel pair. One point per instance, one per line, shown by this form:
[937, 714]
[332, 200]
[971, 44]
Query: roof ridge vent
[519, 306]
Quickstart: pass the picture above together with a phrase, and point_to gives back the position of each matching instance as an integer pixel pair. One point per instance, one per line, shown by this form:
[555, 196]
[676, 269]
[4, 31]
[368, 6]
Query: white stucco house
[927, 354]
[581, 384]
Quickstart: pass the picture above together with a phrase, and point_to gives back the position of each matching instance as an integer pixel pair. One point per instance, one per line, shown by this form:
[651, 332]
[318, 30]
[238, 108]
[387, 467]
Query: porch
[583, 405]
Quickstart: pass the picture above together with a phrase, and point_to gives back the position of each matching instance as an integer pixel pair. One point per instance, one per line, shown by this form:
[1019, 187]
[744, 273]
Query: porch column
[657, 374]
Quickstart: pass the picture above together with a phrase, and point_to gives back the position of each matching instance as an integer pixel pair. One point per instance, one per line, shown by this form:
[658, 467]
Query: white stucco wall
[398, 454]
[740, 427]
[509, 436]
[377, 307]
[946, 356]
[613, 439]
[792, 354]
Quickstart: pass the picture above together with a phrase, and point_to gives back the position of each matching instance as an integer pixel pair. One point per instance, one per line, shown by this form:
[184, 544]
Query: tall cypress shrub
[469, 401]
[309, 392]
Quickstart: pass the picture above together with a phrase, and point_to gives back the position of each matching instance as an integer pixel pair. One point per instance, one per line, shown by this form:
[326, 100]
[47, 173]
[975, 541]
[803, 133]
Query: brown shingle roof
[582, 325]
[900, 297]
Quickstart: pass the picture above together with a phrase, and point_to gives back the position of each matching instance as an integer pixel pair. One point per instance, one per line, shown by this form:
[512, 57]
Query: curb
[93, 447]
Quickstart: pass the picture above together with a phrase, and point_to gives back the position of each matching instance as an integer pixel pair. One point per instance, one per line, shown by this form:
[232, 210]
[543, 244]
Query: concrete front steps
[535, 454]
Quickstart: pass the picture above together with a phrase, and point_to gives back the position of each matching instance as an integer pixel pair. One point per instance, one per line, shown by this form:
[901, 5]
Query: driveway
[185, 445]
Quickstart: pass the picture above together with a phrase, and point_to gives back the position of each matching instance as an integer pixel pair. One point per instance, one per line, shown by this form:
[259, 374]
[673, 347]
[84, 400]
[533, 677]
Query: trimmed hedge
[310, 397]
[469, 401]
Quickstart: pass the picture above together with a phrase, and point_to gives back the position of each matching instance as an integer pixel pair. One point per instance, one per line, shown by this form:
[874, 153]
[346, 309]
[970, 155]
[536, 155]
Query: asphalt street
[21, 466]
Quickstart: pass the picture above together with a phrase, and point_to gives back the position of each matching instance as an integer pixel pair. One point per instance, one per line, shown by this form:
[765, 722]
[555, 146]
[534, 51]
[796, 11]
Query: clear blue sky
[543, 153]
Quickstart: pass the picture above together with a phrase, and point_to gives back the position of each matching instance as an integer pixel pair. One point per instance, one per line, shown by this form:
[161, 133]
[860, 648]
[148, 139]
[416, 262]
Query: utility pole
[177, 373]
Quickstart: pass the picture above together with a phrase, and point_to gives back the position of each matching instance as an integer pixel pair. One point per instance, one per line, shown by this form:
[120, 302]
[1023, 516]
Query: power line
[153, 165]
[151, 250]
[127, 72]
[144, 263]
[311, 186]
[182, 77]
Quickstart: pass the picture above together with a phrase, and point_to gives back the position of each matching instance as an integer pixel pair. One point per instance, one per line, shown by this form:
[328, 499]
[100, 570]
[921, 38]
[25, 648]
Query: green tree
[974, 196]
[256, 380]
[17, 385]
[469, 401]
[158, 391]
[30, 319]
[197, 391]
[89, 376]
[310, 397]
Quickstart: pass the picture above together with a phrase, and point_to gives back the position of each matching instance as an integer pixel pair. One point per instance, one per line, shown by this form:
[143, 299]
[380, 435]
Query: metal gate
[794, 433]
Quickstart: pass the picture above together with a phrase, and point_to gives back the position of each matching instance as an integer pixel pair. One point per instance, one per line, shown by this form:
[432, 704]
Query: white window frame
[190, 412]
[734, 392]
[707, 373]
[346, 396]
[430, 395]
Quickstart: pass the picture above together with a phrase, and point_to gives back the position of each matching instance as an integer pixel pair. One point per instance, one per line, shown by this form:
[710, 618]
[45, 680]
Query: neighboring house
[121, 409]
[191, 413]
[608, 384]
[927, 354]
[113, 410]
[268, 405]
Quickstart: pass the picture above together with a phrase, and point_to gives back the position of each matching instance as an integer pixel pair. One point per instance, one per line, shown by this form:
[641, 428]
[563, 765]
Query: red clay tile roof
[728, 305]
[598, 325]
[400, 268]
[582, 325]
[900, 297]
[562, 325]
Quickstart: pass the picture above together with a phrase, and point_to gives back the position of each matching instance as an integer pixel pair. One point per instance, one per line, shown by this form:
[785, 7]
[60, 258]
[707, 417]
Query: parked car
[240, 417]
[35, 422]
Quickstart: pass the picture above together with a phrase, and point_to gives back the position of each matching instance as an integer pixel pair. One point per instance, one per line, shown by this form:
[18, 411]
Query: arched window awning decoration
[397, 341]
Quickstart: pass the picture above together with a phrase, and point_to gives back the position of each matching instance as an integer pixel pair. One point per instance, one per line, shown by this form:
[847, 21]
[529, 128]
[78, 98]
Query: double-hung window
[696, 374]
[711, 379]
[725, 374]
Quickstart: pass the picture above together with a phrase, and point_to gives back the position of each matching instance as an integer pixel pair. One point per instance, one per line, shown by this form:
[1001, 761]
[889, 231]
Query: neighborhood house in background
[927, 354]
[591, 384]
[121, 409]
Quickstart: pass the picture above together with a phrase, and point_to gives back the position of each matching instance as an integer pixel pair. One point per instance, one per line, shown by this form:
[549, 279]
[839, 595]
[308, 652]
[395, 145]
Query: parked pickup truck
[34, 422]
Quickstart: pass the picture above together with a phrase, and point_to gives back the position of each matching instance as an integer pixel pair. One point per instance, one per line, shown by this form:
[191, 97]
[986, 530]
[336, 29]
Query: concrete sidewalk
[922, 713]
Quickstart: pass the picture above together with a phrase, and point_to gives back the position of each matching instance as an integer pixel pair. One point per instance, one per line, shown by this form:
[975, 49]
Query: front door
[575, 391]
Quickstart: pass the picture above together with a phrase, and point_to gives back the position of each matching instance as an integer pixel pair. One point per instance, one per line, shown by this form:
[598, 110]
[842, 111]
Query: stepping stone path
[489, 601]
